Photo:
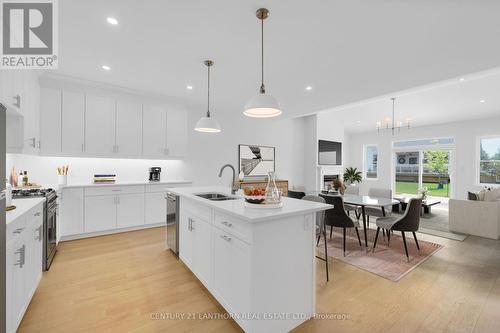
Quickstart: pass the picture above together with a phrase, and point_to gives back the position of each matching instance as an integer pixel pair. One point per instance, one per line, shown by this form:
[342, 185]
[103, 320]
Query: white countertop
[22, 206]
[126, 183]
[237, 207]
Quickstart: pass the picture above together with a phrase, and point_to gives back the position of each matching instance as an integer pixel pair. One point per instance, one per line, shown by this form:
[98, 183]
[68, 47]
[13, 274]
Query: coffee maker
[154, 174]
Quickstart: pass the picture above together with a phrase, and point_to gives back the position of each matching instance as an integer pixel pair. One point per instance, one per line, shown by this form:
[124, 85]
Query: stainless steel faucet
[234, 187]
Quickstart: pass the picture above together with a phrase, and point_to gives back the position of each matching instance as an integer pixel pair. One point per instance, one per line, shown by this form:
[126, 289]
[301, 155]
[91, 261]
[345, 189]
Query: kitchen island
[258, 263]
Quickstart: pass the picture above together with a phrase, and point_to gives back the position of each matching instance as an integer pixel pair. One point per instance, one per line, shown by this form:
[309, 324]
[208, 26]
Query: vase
[273, 194]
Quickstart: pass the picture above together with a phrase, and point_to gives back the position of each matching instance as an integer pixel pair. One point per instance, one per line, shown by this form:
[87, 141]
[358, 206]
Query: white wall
[208, 152]
[42, 169]
[466, 147]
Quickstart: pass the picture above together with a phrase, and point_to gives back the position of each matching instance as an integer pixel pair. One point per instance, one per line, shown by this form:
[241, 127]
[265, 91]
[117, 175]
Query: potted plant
[352, 175]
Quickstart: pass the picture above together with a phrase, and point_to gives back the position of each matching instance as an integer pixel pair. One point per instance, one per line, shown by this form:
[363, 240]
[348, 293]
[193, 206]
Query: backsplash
[43, 169]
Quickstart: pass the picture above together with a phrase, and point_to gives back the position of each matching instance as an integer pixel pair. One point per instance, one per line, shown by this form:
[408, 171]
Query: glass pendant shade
[262, 106]
[207, 125]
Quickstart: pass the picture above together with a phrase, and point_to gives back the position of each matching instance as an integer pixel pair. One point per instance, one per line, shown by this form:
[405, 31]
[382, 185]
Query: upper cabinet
[176, 133]
[165, 132]
[100, 125]
[73, 118]
[154, 129]
[128, 128]
[50, 121]
[77, 123]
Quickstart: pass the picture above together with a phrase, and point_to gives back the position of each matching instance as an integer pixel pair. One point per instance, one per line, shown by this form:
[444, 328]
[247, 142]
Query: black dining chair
[320, 228]
[337, 217]
[296, 194]
[409, 222]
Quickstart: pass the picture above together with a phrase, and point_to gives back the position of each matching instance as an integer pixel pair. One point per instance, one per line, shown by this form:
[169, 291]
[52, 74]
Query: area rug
[386, 261]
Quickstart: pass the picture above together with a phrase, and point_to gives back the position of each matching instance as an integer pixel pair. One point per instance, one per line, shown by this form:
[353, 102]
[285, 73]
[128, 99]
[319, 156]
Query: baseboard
[110, 232]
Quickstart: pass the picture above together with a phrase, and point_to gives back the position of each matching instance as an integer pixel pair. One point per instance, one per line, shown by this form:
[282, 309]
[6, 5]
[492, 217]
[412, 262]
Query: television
[329, 152]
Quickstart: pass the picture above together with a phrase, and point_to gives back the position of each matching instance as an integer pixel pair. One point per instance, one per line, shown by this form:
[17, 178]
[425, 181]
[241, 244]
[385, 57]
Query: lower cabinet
[231, 259]
[23, 264]
[195, 245]
[219, 259]
[100, 213]
[107, 209]
[155, 208]
[130, 210]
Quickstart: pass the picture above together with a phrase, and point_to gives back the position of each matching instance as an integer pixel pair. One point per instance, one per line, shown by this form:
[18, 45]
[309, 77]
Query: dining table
[363, 201]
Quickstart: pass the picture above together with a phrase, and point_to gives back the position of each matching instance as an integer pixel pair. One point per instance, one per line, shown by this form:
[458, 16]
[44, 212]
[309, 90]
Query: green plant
[352, 175]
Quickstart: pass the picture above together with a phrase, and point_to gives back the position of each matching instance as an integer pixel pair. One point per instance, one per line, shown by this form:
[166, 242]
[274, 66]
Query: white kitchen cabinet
[73, 120]
[50, 121]
[14, 134]
[128, 128]
[30, 106]
[155, 208]
[16, 287]
[24, 243]
[130, 210]
[33, 240]
[231, 271]
[7, 86]
[71, 217]
[100, 125]
[154, 131]
[185, 238]
[176, 133]
[202, 245]
[100, 213]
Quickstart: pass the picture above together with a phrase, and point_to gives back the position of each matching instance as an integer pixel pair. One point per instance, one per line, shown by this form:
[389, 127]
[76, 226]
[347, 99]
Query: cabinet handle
[227, 224]
[83, 148]
[33, 142]
[17, 101]
[37, 214]
[22, 256]
[39, 238]
[224, 237]
[192, 224]
[18, 230]
[39, 144]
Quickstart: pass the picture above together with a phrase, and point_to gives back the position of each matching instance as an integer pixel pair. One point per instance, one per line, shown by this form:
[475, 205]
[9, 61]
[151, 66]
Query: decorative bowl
[255, 199]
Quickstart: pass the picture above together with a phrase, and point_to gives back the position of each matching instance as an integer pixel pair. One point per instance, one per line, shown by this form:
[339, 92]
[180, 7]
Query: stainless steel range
[49, 220]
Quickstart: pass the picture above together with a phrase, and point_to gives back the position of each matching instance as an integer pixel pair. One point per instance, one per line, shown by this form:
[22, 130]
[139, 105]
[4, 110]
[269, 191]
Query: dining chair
[296, 194]
[378, 211]
[353, 190]
[409, 222]
[320, 227]
[337, 217]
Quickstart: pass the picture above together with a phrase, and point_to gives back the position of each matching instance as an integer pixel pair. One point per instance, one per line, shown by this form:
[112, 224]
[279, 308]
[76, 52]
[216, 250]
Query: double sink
[214, 196]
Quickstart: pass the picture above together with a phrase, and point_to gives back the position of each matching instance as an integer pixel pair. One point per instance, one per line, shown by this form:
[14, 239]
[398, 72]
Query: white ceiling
[346, 50]
[453, 100]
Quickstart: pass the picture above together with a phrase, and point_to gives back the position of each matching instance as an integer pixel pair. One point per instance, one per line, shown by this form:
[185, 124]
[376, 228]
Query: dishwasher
[172, 228]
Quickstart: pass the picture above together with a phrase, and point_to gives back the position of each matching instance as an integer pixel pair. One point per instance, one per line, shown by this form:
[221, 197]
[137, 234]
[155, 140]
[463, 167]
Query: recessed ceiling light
[106, 67]
[482, 101]
[462, 79]
[309, 88]
[112, 20]
[189, 87]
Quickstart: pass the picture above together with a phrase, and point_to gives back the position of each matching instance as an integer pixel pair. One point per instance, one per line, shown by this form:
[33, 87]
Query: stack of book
[104, 179]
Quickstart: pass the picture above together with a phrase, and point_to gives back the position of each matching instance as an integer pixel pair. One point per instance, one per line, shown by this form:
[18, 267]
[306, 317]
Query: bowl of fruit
[254, 195]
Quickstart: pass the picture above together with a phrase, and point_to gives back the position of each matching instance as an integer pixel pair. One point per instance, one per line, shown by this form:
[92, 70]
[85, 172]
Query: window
[489, 160]
[371, 160]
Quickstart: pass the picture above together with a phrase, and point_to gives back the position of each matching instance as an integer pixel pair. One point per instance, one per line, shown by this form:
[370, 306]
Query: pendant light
[262, 105]
[208, 124]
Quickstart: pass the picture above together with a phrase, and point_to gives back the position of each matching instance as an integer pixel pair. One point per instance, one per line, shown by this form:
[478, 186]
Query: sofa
[478, 217]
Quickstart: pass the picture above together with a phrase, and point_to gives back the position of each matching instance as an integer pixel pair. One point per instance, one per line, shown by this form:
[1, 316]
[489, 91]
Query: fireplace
[328, 181]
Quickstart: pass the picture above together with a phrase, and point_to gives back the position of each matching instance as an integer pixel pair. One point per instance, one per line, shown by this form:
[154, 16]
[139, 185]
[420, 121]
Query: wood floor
[125, 282]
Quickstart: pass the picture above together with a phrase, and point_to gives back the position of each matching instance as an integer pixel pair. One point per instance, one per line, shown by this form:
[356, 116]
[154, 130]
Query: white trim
[364, 170]
[477, 171]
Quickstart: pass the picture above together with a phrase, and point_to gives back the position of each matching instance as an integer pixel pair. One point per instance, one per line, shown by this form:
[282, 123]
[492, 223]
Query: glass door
[407, 172]
[436, 172]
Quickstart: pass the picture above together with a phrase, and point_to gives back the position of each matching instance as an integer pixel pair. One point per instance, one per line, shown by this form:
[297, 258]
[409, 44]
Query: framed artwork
[255, 160]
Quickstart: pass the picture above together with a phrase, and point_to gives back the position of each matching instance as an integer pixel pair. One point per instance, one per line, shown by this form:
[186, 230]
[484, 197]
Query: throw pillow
[481, 194]
[490, 196]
